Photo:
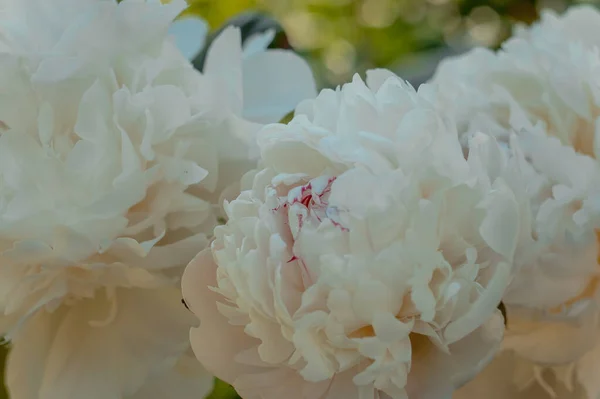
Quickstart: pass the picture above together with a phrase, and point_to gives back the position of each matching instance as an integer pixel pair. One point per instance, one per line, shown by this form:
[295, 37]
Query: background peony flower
[546, 75]
[513, 376]
[543, 84]
[111, 165]
[366, 260]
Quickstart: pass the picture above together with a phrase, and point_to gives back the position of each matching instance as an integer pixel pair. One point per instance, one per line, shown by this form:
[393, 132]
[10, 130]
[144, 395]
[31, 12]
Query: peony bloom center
[306, 204]
[338, 258]
[310, 204]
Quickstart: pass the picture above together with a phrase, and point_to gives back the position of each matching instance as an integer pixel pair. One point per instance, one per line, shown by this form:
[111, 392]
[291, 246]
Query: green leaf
[223, 391]
[3, 353]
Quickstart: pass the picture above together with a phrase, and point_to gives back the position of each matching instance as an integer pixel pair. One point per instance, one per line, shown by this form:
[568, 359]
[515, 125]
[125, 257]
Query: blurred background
[341, 37]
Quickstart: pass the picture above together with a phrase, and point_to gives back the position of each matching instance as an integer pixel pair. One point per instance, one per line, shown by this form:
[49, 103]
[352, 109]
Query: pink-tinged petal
[495, 382]
[215, 342]
[341, 386]
[275, 383]
[551, 340]
[430, 373]
[147, 336]
[26, 362]
[466, 358]
[186, 380]
[587, 371]
[507, 376]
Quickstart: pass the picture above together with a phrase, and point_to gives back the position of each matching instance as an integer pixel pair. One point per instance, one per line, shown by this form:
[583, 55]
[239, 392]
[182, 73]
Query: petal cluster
[543, 87]
[367, 256]
[114, 152]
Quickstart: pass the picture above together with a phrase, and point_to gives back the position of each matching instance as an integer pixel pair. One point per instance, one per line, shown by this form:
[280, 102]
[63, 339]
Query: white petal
[190, 35]
[377, 77]
[224, 62]
[275, 81]
[500, 227]
[258, 43]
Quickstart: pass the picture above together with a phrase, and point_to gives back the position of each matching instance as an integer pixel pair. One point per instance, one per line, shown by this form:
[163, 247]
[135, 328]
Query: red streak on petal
[306, 200]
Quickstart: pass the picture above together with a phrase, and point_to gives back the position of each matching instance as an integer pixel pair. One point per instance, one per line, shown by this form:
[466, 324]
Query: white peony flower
[366, 260]
[543, 84]
[113, 154]
[546, 74]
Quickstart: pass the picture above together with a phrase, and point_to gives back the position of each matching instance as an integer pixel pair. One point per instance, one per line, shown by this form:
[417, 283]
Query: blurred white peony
[368, 258]
[544, 85]
[113, 154]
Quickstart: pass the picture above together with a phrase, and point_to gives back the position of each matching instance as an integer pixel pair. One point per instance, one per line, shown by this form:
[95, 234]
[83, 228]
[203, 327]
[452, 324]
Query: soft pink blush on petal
[587, 371]
[276, 383]
[472, 353]
[186, 380]
[215, 342]
[497, 381]
[218, 344]
[428, 361]
[343, 387]
[569, 341]
[134, 343]
[29, 352]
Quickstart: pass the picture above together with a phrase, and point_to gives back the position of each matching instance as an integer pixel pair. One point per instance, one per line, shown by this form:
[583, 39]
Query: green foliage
[223, 391]
[3, 353]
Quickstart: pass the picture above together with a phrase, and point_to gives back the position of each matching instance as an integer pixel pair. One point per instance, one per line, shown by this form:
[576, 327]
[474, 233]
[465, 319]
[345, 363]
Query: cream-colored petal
[551, 341]
[499, 380]
[215, 342]
[186, 380]
[587, 369]
[147, 335]
[26, 362]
